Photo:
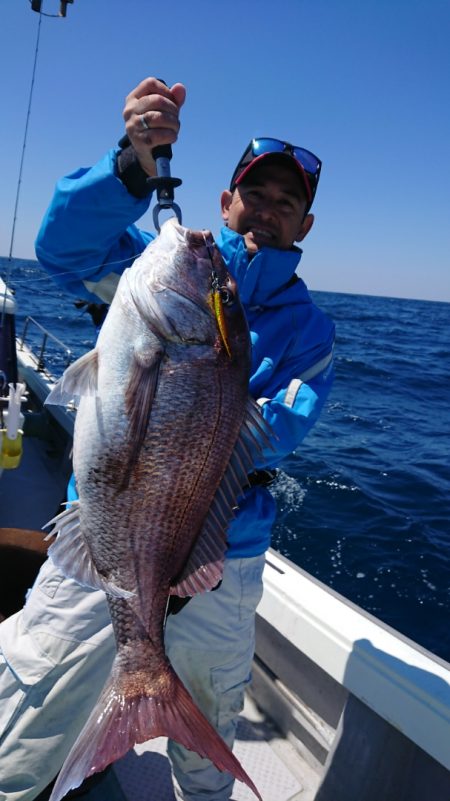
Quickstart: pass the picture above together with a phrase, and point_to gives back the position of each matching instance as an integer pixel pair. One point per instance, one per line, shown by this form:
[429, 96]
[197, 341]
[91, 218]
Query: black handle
[162, 151]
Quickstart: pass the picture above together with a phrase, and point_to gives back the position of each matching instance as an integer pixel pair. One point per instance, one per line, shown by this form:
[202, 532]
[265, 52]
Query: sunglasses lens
[264, 145]
[308, 161]
[260, 146]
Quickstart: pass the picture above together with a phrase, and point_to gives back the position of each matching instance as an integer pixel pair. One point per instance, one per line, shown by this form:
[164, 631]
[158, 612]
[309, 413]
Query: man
[58, 650]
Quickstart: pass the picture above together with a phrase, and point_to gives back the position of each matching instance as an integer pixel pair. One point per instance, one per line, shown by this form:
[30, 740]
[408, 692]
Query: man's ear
[307, 224]
[225, 202]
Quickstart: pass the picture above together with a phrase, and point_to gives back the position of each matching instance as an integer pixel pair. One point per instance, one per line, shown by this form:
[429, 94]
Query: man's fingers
[155, 105]
[178, 93]
[151, 117]
[150, 86]
[155, 119]
[158, 136]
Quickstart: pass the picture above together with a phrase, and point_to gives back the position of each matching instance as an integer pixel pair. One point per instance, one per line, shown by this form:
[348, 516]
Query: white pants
[55, 656]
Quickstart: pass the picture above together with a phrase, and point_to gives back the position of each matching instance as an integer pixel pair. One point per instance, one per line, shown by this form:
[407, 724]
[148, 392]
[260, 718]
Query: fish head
[184, 291]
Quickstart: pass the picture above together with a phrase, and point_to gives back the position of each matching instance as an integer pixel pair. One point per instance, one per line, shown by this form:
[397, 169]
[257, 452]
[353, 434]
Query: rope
[77, 272]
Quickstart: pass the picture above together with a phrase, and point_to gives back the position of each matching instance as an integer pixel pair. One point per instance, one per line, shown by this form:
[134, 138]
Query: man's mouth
[263, 235]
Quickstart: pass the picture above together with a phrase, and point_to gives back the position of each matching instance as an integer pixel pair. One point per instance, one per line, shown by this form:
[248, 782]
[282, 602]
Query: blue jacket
[88, 237]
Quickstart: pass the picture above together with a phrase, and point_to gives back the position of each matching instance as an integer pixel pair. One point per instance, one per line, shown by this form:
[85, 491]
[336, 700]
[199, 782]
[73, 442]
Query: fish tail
[119, 721]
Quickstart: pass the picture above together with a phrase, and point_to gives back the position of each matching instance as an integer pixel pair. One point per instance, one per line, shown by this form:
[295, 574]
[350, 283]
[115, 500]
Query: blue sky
[362, 83]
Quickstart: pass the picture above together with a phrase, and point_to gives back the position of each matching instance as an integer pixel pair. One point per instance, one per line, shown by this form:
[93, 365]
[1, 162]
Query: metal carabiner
[164, 184]
[165, 207]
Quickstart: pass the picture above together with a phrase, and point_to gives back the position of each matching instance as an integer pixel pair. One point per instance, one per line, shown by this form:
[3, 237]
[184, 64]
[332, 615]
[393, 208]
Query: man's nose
[267, 209]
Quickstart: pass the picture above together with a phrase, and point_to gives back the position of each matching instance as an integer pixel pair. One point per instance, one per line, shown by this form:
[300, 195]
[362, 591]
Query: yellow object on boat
[10, 451]
[11, 435]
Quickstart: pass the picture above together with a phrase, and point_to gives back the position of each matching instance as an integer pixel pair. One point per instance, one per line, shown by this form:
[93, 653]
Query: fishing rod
[36, 5]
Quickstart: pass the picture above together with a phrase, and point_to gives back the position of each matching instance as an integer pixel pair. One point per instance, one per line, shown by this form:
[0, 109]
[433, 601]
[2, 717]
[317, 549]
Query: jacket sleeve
[88, 236]
[294, 409]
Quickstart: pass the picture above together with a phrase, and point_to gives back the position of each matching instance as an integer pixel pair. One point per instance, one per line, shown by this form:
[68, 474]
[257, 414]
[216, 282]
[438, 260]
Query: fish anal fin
[204, 568]
[70, 552]
[199, 578]
[256, 431]
[121, 719]
[78, 380]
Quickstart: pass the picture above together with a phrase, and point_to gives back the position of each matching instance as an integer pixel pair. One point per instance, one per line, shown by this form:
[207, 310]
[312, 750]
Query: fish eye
[226, 296]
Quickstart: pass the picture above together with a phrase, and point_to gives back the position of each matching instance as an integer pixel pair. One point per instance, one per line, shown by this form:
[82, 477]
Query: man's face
[268, 207]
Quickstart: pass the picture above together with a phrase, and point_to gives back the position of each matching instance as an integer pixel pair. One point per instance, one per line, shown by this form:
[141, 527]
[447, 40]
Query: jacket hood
[266, 279]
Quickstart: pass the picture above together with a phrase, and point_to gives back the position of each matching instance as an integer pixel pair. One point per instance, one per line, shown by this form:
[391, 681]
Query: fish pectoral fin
[141, 390]
[204, 568]
[79, 379]
[70, 552]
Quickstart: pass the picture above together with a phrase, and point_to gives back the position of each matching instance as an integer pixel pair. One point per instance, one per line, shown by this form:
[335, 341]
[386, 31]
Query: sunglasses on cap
[309, 165]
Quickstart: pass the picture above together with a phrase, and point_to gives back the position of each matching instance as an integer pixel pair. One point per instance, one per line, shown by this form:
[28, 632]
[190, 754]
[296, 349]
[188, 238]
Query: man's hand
[159, 106]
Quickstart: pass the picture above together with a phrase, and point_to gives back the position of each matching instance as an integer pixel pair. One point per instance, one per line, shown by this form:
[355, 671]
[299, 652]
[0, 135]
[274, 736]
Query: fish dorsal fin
[80, 379]
[139, 396]
[204, 568]
[71, 553]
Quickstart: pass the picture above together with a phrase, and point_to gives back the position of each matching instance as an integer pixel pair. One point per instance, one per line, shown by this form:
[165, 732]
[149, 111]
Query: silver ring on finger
[144, 122]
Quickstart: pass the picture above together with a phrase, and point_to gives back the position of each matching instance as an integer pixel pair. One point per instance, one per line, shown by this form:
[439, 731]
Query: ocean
[364, 504]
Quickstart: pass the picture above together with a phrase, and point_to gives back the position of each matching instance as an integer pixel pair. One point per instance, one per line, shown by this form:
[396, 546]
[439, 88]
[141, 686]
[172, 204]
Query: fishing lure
[220, 296]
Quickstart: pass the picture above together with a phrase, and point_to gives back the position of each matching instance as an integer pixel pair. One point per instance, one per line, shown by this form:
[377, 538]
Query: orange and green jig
[216, 303]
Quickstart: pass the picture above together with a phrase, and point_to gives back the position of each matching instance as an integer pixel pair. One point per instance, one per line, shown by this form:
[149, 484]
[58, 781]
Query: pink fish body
[164, 438]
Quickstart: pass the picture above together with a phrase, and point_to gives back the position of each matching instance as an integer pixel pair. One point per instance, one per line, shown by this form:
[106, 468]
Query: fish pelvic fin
[120, 720]
[78, 380]
[70, 552]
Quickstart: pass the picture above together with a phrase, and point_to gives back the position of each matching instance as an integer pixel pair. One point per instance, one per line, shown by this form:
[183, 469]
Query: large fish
[165, 436]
